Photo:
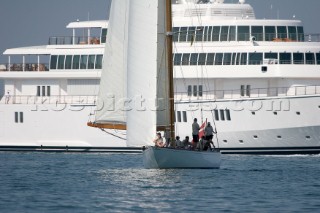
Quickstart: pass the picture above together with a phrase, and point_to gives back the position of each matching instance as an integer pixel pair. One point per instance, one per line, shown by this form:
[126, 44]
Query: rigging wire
[215, 126]
[109, 133]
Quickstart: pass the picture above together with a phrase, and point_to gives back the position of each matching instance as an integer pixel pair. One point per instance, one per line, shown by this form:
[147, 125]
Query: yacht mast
[170, 66]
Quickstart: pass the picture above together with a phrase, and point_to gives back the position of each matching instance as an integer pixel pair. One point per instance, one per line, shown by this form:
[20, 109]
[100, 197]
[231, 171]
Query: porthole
[240, 141]
[253, 113]
[298, 113]
[308, 137]
[255, 136]
[279, 136]
[275, 113]
[225, 141]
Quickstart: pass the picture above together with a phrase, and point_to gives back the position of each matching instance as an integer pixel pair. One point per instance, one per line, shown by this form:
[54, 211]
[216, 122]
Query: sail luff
[113, 83]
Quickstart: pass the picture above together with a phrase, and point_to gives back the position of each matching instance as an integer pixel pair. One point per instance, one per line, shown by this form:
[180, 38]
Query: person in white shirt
[179, 143]
[208, 132]
[201, 144]
[195, 131]
[186, 143]
[158, 141]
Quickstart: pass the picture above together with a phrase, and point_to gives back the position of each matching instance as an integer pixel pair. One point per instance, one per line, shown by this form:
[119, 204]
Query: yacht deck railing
[53, 100]
[76, 40]
[211, 95]
[27, 67]
[246, 93]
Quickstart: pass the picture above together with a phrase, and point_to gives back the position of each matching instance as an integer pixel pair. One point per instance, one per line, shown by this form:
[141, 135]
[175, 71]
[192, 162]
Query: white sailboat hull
[162, 158]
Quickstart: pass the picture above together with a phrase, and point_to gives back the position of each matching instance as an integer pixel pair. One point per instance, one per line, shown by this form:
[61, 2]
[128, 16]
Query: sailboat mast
[170, 66]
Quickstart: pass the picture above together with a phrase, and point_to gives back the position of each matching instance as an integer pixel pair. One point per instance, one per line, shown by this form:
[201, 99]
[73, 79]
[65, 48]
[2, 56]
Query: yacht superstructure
[256, 80]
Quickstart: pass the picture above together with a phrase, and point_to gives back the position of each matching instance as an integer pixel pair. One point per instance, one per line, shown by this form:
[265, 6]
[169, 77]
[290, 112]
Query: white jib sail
[113, 85]
[147, 73]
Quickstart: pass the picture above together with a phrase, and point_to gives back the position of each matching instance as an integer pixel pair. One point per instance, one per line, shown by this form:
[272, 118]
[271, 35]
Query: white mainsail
[113, 85]
[146, 71]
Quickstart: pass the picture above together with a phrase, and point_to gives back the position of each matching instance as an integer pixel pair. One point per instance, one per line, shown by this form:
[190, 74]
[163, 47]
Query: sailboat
[136, 88]
[166, 158]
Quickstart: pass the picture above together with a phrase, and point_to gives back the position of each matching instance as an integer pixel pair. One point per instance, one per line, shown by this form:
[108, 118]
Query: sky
[32, 22]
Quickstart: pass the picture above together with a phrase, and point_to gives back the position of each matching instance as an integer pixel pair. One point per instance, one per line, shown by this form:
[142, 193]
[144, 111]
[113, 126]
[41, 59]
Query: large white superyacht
[256, 80]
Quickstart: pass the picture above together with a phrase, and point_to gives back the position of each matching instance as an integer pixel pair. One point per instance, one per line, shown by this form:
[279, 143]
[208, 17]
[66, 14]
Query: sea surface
[66, 182]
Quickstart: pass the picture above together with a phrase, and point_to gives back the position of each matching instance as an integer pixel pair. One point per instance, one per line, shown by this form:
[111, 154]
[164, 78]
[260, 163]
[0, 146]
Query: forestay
[113, 85]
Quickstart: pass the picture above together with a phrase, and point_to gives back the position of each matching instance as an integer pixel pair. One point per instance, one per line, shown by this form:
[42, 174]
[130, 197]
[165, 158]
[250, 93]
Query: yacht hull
[163, 158]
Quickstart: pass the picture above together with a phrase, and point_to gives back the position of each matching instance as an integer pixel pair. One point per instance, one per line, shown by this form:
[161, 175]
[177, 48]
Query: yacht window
[179, 116]
[255, 58]
[195, 90]
[38, 91]
[202, 59]
[83, 62]
[209, 34]
[48, 91]
[300, 33]
[53, 62]
[184, 115]
[222, 115]
[257, 32]
[75, 62]
[310, 58]
[224, 33]
[210, 59]
[248, 90]
[205, 34]
[61, 62]
[216, 114]
[227, 59]
[191, 34]
[189, 90]
[282, 32]
[176, 32]
[271, 55]
[177, 59]
[16, 117]
[200, 90]
[185, 59]
[199, 33]
[243, 33]
[183, 34]
[234, 58]
[292, 33]
[270, 33]
[194, 59]
[43, 91]
[228, 115]
[232, 33]
[298, 58]
[242, 90]
[215, 33]
[68, 62]
[238, 59]
[318, 58]
[21, 117]
[218, 60]
[104, 33]
[99, 62]
[285, 58]
[91, 61]
[243, 58]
